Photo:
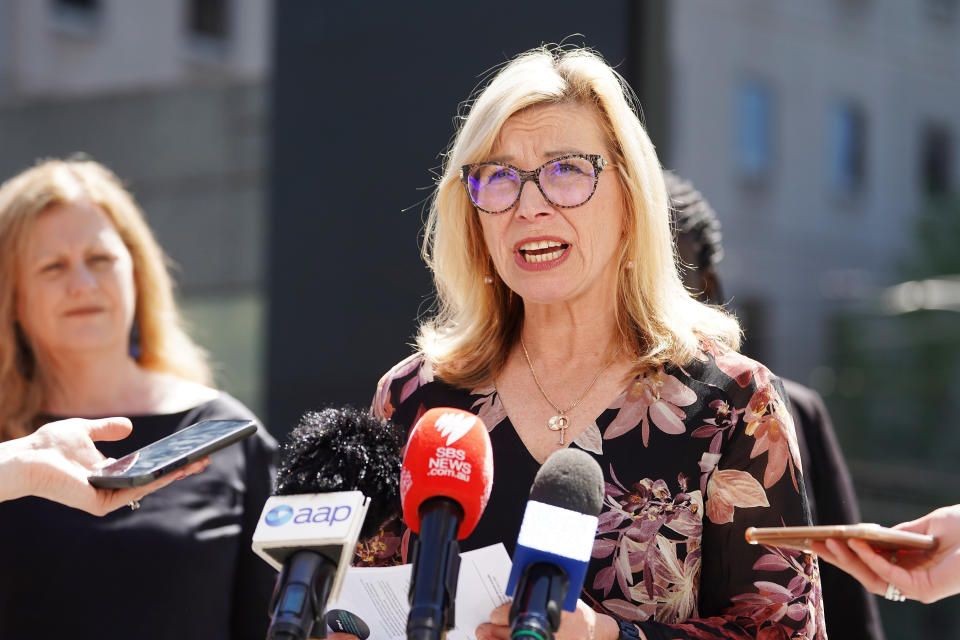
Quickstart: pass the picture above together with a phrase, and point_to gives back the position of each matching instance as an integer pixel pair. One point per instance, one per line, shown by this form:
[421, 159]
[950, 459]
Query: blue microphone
[555, 543]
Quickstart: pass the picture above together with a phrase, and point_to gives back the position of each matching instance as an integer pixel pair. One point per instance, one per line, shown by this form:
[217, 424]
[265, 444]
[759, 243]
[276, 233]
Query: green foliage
[896, 405]
[936, 240]
[897, 392]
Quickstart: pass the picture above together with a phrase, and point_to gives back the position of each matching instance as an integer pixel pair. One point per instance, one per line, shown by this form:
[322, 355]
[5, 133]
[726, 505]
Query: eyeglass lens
[566, 182]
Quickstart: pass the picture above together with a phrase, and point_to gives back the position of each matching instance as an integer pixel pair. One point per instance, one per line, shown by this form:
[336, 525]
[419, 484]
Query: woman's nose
[81, 279]
[532, 204]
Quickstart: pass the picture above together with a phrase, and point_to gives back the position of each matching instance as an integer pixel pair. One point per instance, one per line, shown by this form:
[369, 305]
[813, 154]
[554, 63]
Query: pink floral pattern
[691, 456]
[488, 406]
[655, 397]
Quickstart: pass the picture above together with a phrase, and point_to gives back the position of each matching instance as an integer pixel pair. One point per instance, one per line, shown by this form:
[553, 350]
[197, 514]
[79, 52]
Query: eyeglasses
[568, 181]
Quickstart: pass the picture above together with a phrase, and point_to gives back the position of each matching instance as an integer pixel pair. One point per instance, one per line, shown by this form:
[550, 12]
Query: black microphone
[338, 481]
[555, 542]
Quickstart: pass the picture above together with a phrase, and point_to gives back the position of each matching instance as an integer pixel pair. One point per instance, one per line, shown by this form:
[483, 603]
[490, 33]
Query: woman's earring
[487, 279]
[628, 264]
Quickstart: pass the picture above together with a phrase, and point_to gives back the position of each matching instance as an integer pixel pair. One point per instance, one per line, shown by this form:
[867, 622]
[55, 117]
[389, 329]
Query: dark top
[179, 567]
[691, 457]
[852, 609]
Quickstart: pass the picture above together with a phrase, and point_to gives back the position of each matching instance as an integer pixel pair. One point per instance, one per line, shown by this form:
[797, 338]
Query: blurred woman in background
[89, 328]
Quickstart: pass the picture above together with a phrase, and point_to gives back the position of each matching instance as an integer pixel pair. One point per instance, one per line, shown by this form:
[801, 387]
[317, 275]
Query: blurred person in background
[851, 612]
[929, 579]
[89, 328]
[54, 461]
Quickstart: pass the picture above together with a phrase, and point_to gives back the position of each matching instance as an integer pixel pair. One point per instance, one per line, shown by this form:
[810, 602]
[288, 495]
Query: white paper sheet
[378, 595]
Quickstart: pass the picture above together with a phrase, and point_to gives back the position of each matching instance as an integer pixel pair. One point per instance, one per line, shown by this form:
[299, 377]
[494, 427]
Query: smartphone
[879, 538]
[171, 453]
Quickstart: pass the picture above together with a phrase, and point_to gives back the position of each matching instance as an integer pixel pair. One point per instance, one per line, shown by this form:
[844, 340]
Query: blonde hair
[164, 344]
[468, 338]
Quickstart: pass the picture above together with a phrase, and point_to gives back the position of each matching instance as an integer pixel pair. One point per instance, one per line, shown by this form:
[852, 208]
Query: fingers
[880, 566]
[111, 500]
[159, 483]
[109, 429]
[822, 551]
[114, 499]
[501, 615]
[499, 626]
[845, 558]
[196, 467]
[489, 631]
[920, 525]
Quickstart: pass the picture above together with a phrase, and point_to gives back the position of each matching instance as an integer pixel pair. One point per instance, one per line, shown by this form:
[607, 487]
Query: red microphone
[445, 483]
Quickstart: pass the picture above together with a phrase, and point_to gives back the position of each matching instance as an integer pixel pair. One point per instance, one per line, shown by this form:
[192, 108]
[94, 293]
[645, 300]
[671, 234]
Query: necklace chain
[561, 422]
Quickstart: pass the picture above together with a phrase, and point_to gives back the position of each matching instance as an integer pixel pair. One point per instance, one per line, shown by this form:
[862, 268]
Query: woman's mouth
[542, 251]
[83, 311]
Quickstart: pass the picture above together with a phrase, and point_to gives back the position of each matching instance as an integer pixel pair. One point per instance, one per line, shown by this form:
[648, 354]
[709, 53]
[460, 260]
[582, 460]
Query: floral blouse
[691, 457]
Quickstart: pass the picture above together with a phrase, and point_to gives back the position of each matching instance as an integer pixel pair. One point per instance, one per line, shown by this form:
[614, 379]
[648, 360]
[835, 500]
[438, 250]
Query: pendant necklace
[560, 421]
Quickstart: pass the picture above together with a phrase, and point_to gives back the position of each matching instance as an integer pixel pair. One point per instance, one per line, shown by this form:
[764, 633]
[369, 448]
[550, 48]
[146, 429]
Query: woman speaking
[561, 320]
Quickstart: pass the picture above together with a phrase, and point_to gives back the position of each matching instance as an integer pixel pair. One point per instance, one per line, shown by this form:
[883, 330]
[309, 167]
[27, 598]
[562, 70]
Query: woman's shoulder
[172, 394]
[400, 382]
[410, 388]
[194, 402]
[718, 365]
[224, 406]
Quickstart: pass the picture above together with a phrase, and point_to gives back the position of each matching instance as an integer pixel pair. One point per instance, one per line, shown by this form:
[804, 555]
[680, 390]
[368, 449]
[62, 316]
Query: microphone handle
[307, 578]
[436, 567]
[535, 613]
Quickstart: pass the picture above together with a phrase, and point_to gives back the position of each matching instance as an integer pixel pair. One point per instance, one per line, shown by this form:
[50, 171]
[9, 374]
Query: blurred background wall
[284, 153]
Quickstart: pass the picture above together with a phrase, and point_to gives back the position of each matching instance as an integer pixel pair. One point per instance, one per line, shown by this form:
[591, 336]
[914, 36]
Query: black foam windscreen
[345, 449]
[570, 479]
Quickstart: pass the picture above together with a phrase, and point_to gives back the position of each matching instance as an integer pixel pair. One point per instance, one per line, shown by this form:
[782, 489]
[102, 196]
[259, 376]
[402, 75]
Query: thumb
[109, 429]
[501, 615]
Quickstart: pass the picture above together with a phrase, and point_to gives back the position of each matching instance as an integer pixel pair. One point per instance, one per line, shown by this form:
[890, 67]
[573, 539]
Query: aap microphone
[555, 543]
[445, 484]
[338, 466]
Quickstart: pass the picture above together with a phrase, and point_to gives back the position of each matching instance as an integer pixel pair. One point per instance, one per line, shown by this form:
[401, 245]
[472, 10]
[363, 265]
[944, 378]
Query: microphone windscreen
[448, 455]
[345, 449]
[570, 479]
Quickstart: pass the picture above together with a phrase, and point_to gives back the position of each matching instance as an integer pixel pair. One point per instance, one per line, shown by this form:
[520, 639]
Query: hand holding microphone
[445, 483]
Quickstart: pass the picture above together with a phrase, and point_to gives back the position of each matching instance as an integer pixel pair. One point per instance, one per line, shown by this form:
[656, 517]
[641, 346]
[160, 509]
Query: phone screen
[172, 452]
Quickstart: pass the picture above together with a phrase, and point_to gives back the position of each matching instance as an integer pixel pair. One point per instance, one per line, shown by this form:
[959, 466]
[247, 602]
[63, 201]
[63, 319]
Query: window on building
[208, 30]
[78, 17]
[208, 18]
[941, 9]
[77, 5]
[936, 159]
[847, 148]
[754, 130]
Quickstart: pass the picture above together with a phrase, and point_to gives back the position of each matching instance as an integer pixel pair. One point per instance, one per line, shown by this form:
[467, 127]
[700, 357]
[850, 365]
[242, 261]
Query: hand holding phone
[171, 453]
[926, 577]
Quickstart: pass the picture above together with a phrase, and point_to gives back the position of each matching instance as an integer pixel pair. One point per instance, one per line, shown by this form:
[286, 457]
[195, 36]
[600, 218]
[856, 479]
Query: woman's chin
[88, 343]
